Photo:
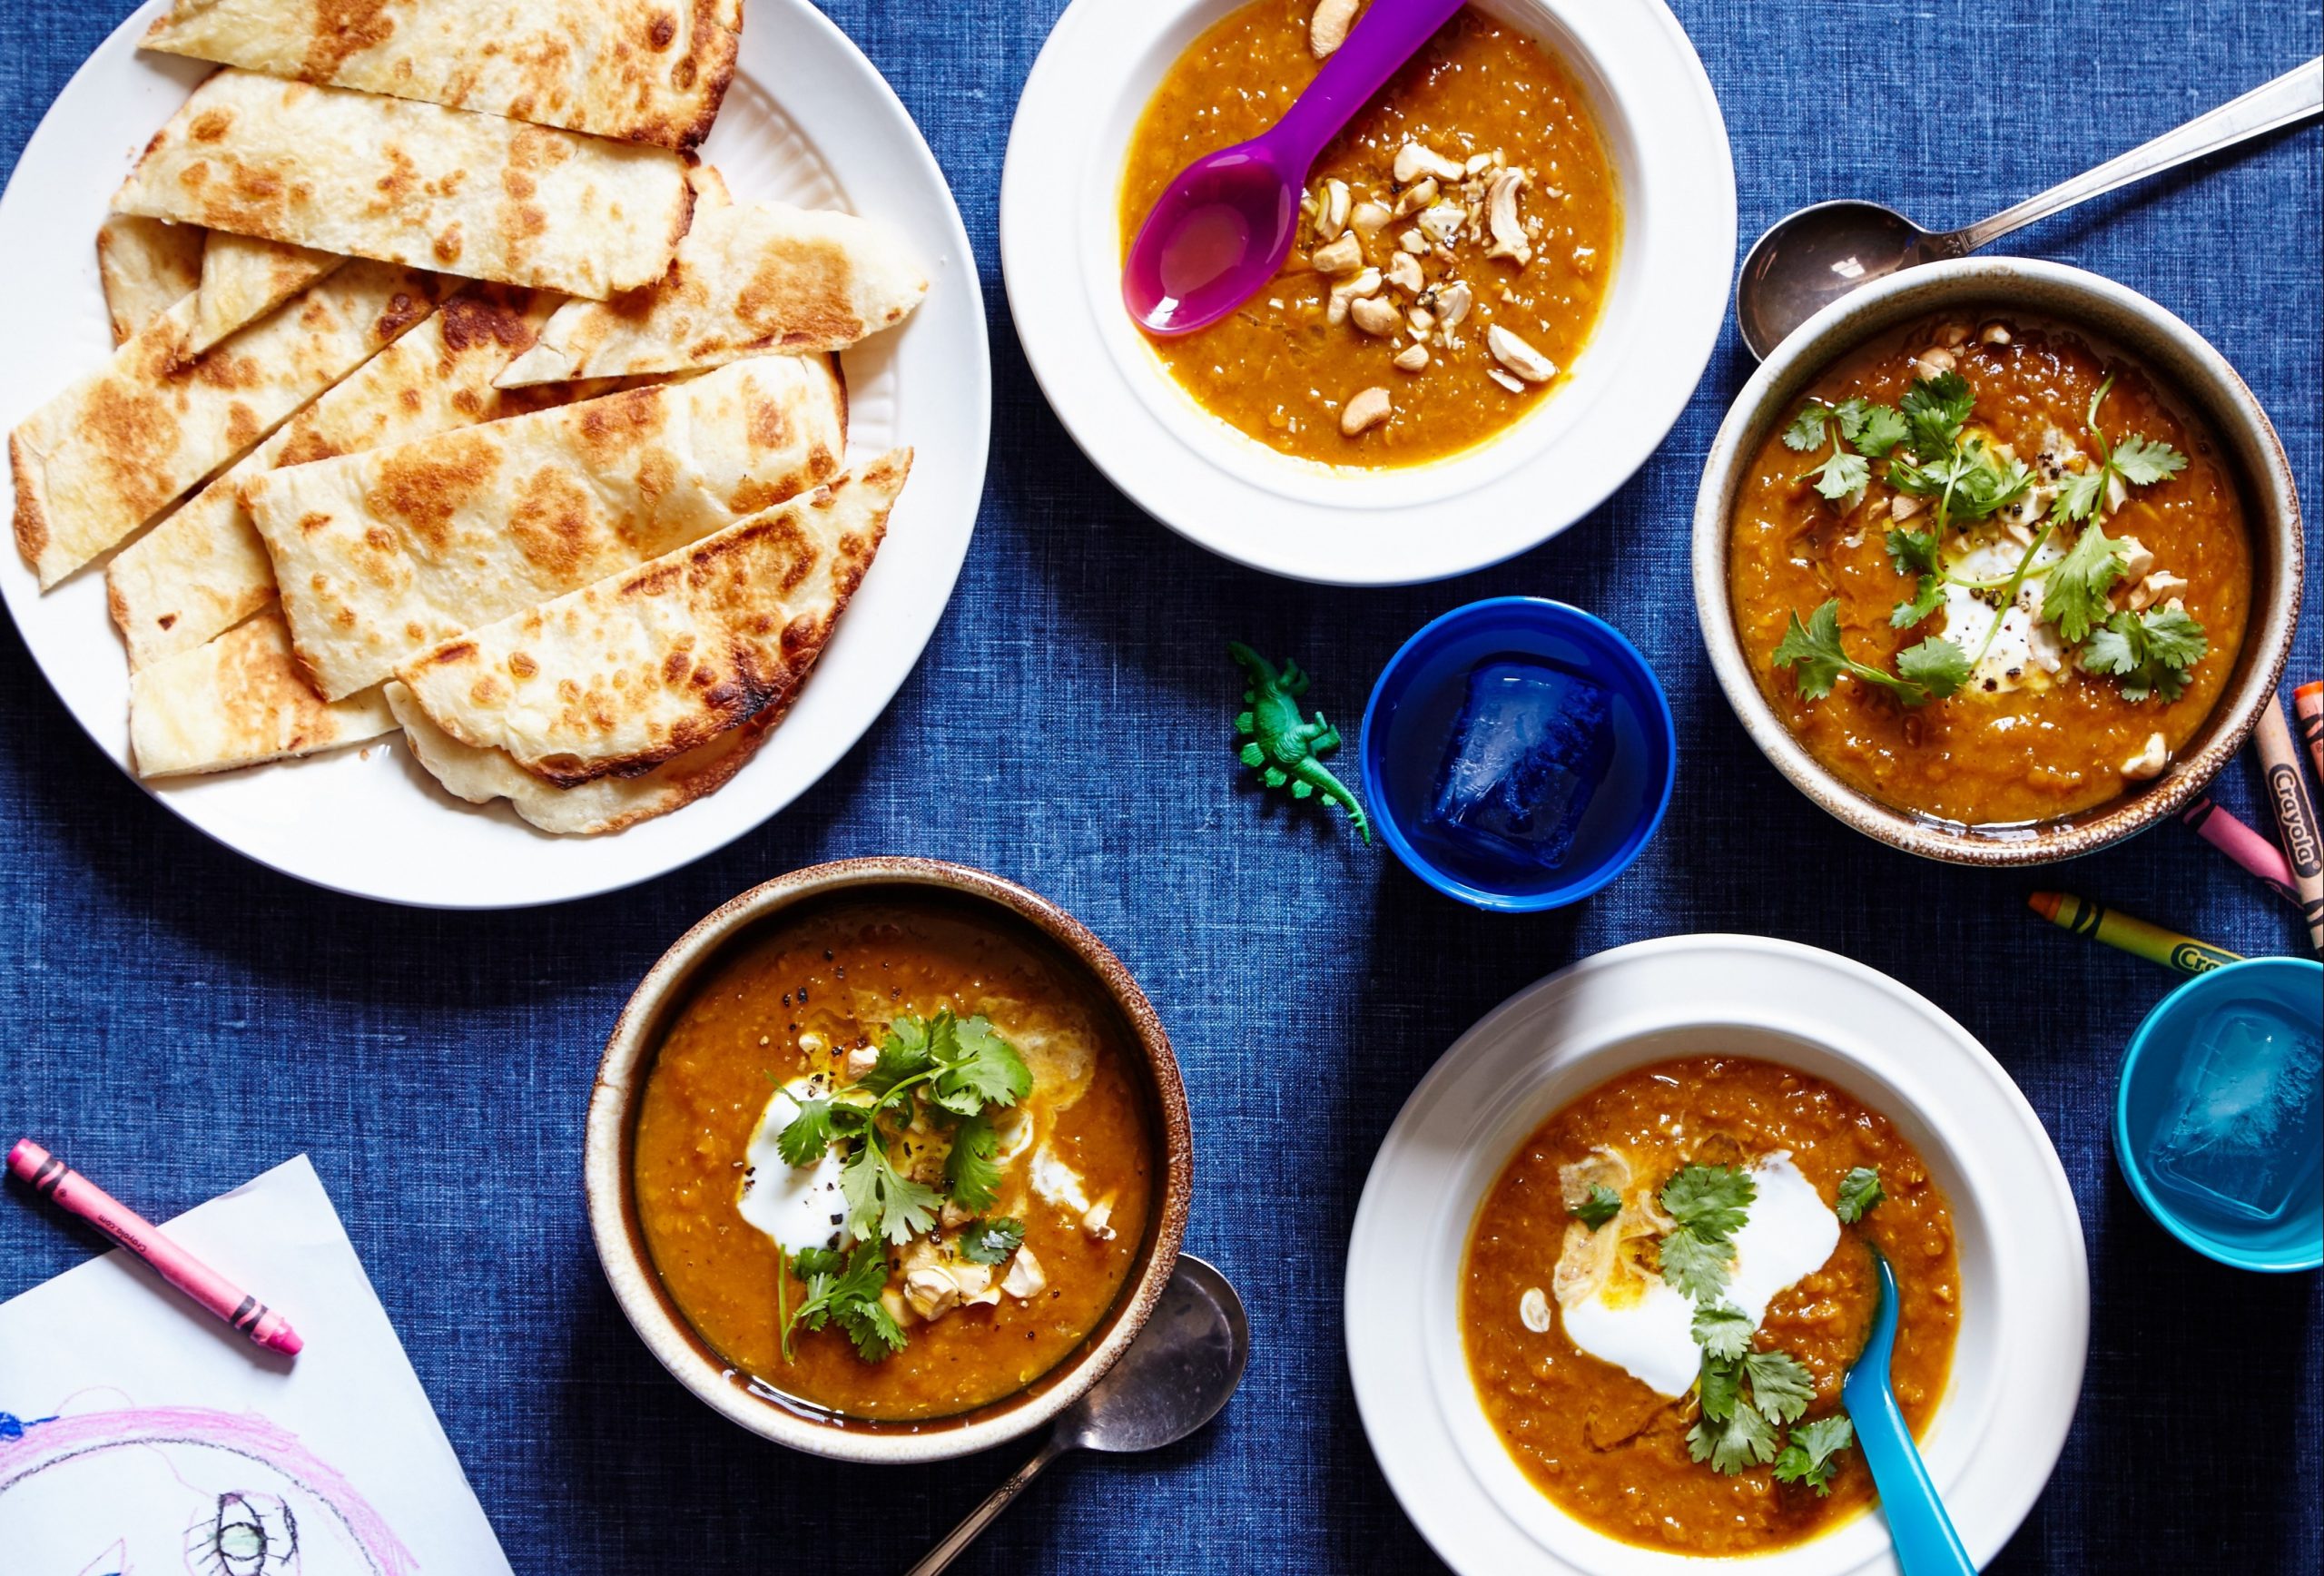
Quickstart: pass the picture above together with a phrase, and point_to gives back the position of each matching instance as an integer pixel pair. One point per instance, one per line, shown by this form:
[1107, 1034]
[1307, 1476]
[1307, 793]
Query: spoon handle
[976, 1520]
[2293, 96]
[1389, 32]
[1927, 1544]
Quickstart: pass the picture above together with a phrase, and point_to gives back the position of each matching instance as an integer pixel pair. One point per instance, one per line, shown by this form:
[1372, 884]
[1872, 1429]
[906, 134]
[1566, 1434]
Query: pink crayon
[76, 1195]
[2223, 830]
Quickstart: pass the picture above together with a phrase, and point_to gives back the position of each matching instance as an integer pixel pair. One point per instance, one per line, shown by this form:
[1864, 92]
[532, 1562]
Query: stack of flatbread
[451, 395]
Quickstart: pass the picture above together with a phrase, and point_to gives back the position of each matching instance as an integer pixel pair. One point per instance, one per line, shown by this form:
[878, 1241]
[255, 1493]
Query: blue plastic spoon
[1927, 1544]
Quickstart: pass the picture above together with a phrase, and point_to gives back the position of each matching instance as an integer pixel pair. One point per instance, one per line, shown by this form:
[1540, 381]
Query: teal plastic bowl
[2294, 986]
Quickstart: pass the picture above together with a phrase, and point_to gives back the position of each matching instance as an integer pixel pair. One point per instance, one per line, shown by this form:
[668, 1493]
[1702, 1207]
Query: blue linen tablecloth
[175, 1020]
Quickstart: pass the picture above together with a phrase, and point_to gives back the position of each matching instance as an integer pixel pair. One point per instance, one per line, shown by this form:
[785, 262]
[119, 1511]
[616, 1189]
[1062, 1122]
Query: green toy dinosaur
[1284, 746]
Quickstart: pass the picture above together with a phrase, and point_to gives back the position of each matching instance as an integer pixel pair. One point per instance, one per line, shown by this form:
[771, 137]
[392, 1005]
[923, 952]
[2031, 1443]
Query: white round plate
[808, 121]
[1060, 254]
[2024, 1281]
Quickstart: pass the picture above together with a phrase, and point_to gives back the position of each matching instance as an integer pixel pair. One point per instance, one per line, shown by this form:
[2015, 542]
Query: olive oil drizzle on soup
[2037, 744]
[793, 1000]
[1285, 368]
[1604, 1446]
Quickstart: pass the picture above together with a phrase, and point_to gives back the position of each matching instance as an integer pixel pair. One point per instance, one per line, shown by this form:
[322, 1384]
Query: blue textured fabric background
[175, 1020]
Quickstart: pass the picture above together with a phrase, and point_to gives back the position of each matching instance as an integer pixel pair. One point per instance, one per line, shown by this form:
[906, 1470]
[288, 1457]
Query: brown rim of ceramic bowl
[621, 1247]
[2177, 354]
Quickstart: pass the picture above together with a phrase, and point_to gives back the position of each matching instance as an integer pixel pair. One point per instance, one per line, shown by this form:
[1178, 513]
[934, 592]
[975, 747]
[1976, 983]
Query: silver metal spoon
[1812, 258]
[1173, 1379]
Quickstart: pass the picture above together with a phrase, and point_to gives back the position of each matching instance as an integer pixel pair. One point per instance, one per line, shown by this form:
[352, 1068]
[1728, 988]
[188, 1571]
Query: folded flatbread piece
[750, 278]
[644, 71]
[147, 266]
[650, 663]
[381, 555]
[205, 569]
[240, 701]
[110, 452]
[417, 183]
[244, 278]
[608, 804]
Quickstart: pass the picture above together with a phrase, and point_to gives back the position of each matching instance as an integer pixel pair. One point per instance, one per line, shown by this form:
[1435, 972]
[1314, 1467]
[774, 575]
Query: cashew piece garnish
[1518, 357]
[1327, 29]
[1368, 409]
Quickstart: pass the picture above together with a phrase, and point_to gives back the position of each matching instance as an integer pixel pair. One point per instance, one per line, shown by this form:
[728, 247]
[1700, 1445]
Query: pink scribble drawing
[215, 1493]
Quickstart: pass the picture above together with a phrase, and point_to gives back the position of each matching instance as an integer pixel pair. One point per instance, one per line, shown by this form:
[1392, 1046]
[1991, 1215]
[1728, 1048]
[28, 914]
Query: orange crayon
[2307, 711]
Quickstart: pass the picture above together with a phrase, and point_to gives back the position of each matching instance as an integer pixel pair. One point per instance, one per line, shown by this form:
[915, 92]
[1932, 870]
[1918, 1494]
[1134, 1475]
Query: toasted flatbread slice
[416, 183]
[147, 266]
[608, 805]
[244, 278]
[750, 278]
[114, 449]
[648, 664]
[643, 71]
[205, 569]
[381, 555]
[240, 701]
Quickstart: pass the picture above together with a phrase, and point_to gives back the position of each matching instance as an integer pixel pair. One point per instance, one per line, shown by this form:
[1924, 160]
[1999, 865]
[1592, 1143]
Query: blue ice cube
[1532, 746]
[2240, 1131]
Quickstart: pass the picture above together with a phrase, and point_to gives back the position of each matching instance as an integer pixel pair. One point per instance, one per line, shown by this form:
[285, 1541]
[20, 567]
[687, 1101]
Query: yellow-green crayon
[2152, 943]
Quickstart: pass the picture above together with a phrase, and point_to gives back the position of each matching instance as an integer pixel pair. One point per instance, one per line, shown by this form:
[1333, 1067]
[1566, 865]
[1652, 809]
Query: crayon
[76, 1195]
[2295, 815]
[2307, 711]
[2152, 943]
[2226, 831]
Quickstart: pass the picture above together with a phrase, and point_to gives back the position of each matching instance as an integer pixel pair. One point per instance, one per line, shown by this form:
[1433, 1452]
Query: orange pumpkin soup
[1456, 245]
[1669, 1210]
[992, 1231]
[2031, 519]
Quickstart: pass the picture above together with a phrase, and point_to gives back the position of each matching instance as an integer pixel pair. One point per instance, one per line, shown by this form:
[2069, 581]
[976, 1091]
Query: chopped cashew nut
[2155, 589]
[1412, 358]
[1504, 379]
[1331, 213]
[2136, 559]
[1368, 219]
[1403, 272]
[1025, 1279]
[860, 1062]
[1508, 235]
[1375, 316]
[1327, 29]
[1096, 1220]
[1366, 283]
[1533, 1309]
[1904, 505]
[1367, 409]
[1518, 357]
[1443, 222]
[1452, 304]
[1414, 242]
[1421, 319]
[1933, 360]
[814, 1044]
[1993, 334]
[1414, 160]
[2148, 762]
[1418, 198]
[932, 1292]
[1344, 255]
[893, 1301]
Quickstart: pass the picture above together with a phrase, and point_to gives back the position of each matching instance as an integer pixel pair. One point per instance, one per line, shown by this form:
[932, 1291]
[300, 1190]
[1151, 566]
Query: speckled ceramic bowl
[2178, 354]
[621, 1246]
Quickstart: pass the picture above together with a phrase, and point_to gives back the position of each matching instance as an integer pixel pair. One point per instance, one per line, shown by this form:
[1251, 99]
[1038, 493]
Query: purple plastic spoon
[1224, 225]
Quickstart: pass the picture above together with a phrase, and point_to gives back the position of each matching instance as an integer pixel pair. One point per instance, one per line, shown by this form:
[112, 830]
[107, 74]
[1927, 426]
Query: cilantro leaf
[2149, 653]
[1781, 1385]
[1722, 1330]
[1928, 597]
[981, 1069]
[1718, 1387]
[1808, 1458]
[971, 1175]
[1860, 1191]
[990, 1241]
[1807, 428]
[1848, 415]
[1936, 667]
[2073, 596]
[1601, 1207]
[2078, 494]
[1711, 1201]
[1842, 475]
[905, 1053]
[1884, 429]
[847, 1290]
[810, 1262]
[806, 1136]
[1913, 552]
[1695, 1264]
[872, 1328]
[1734, 1442]
[881, 1201]
[2142, 461]
[1934, 410]
[1813, 651]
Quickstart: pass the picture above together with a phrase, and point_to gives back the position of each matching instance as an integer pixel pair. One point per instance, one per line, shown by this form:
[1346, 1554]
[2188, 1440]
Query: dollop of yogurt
[800, 1206]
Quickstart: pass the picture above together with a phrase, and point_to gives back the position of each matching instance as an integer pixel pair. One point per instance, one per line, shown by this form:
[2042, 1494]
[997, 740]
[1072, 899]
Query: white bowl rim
[1336, 526]
[628, 1267]
[2200, 375]
[2004, 1420]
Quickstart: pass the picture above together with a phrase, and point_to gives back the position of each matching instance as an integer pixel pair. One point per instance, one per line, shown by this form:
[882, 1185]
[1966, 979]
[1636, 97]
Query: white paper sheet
[140, 1436]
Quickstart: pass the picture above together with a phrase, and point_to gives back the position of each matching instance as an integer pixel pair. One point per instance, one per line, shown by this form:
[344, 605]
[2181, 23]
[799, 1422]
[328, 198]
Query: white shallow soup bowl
[1061, 256]
[2024, 1331]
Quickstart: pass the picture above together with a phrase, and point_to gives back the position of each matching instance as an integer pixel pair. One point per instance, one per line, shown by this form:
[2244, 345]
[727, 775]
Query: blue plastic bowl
[2150, 1076]
[1409, 722]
